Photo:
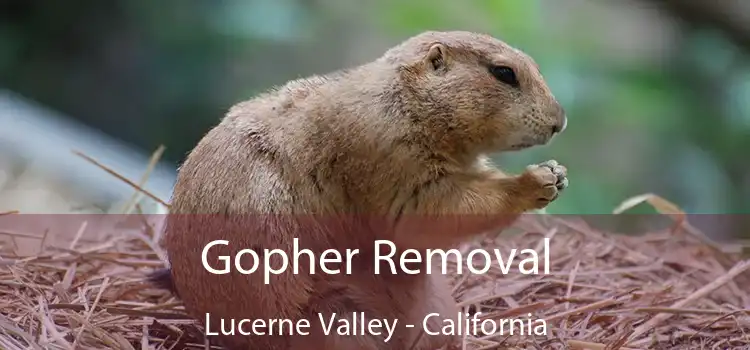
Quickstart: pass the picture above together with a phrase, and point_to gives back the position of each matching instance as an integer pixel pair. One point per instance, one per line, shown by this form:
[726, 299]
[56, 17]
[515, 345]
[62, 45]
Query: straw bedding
[666, 289]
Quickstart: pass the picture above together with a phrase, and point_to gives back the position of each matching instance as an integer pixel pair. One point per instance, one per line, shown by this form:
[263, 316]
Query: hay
[661, 290]
[668, 289]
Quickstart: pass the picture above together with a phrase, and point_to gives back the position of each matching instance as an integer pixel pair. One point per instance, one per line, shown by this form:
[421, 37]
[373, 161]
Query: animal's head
[478, 88]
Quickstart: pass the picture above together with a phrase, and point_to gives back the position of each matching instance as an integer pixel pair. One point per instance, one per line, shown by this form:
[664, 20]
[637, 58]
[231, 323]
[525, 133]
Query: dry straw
[666, 289]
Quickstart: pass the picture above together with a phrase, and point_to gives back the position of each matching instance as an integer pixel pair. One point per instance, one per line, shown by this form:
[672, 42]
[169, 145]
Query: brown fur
[397, 139]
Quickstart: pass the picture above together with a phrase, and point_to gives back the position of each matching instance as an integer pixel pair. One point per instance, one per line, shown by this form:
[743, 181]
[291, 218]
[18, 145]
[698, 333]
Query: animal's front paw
[542, 183]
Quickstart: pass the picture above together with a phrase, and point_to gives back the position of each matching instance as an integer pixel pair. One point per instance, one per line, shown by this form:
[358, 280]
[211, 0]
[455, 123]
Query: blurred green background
[657, 91]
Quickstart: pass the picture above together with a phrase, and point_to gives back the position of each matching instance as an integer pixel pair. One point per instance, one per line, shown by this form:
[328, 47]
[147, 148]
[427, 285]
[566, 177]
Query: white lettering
[225, 259]
[388, 258]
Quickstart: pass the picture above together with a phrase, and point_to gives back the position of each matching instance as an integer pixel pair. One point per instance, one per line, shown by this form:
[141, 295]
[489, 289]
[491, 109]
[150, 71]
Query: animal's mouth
[529, 142]
[521, 146]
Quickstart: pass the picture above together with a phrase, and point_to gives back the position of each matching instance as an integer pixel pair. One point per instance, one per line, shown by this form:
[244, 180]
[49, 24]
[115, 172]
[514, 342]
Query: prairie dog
[394, 149]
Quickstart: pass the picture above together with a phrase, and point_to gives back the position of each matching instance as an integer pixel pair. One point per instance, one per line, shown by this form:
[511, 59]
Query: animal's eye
[505, 74]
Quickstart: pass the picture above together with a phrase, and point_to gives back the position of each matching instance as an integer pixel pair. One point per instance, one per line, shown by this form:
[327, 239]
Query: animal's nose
[560, 127]
[562, 120]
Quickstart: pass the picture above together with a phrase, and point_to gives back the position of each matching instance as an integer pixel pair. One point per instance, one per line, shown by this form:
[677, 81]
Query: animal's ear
[437, 56]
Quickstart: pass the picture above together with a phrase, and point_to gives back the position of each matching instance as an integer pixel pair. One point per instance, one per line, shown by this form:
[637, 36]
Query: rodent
[403, 139]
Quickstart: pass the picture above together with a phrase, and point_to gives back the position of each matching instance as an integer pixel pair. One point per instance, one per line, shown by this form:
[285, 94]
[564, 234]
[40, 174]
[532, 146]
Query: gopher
[395, 149]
